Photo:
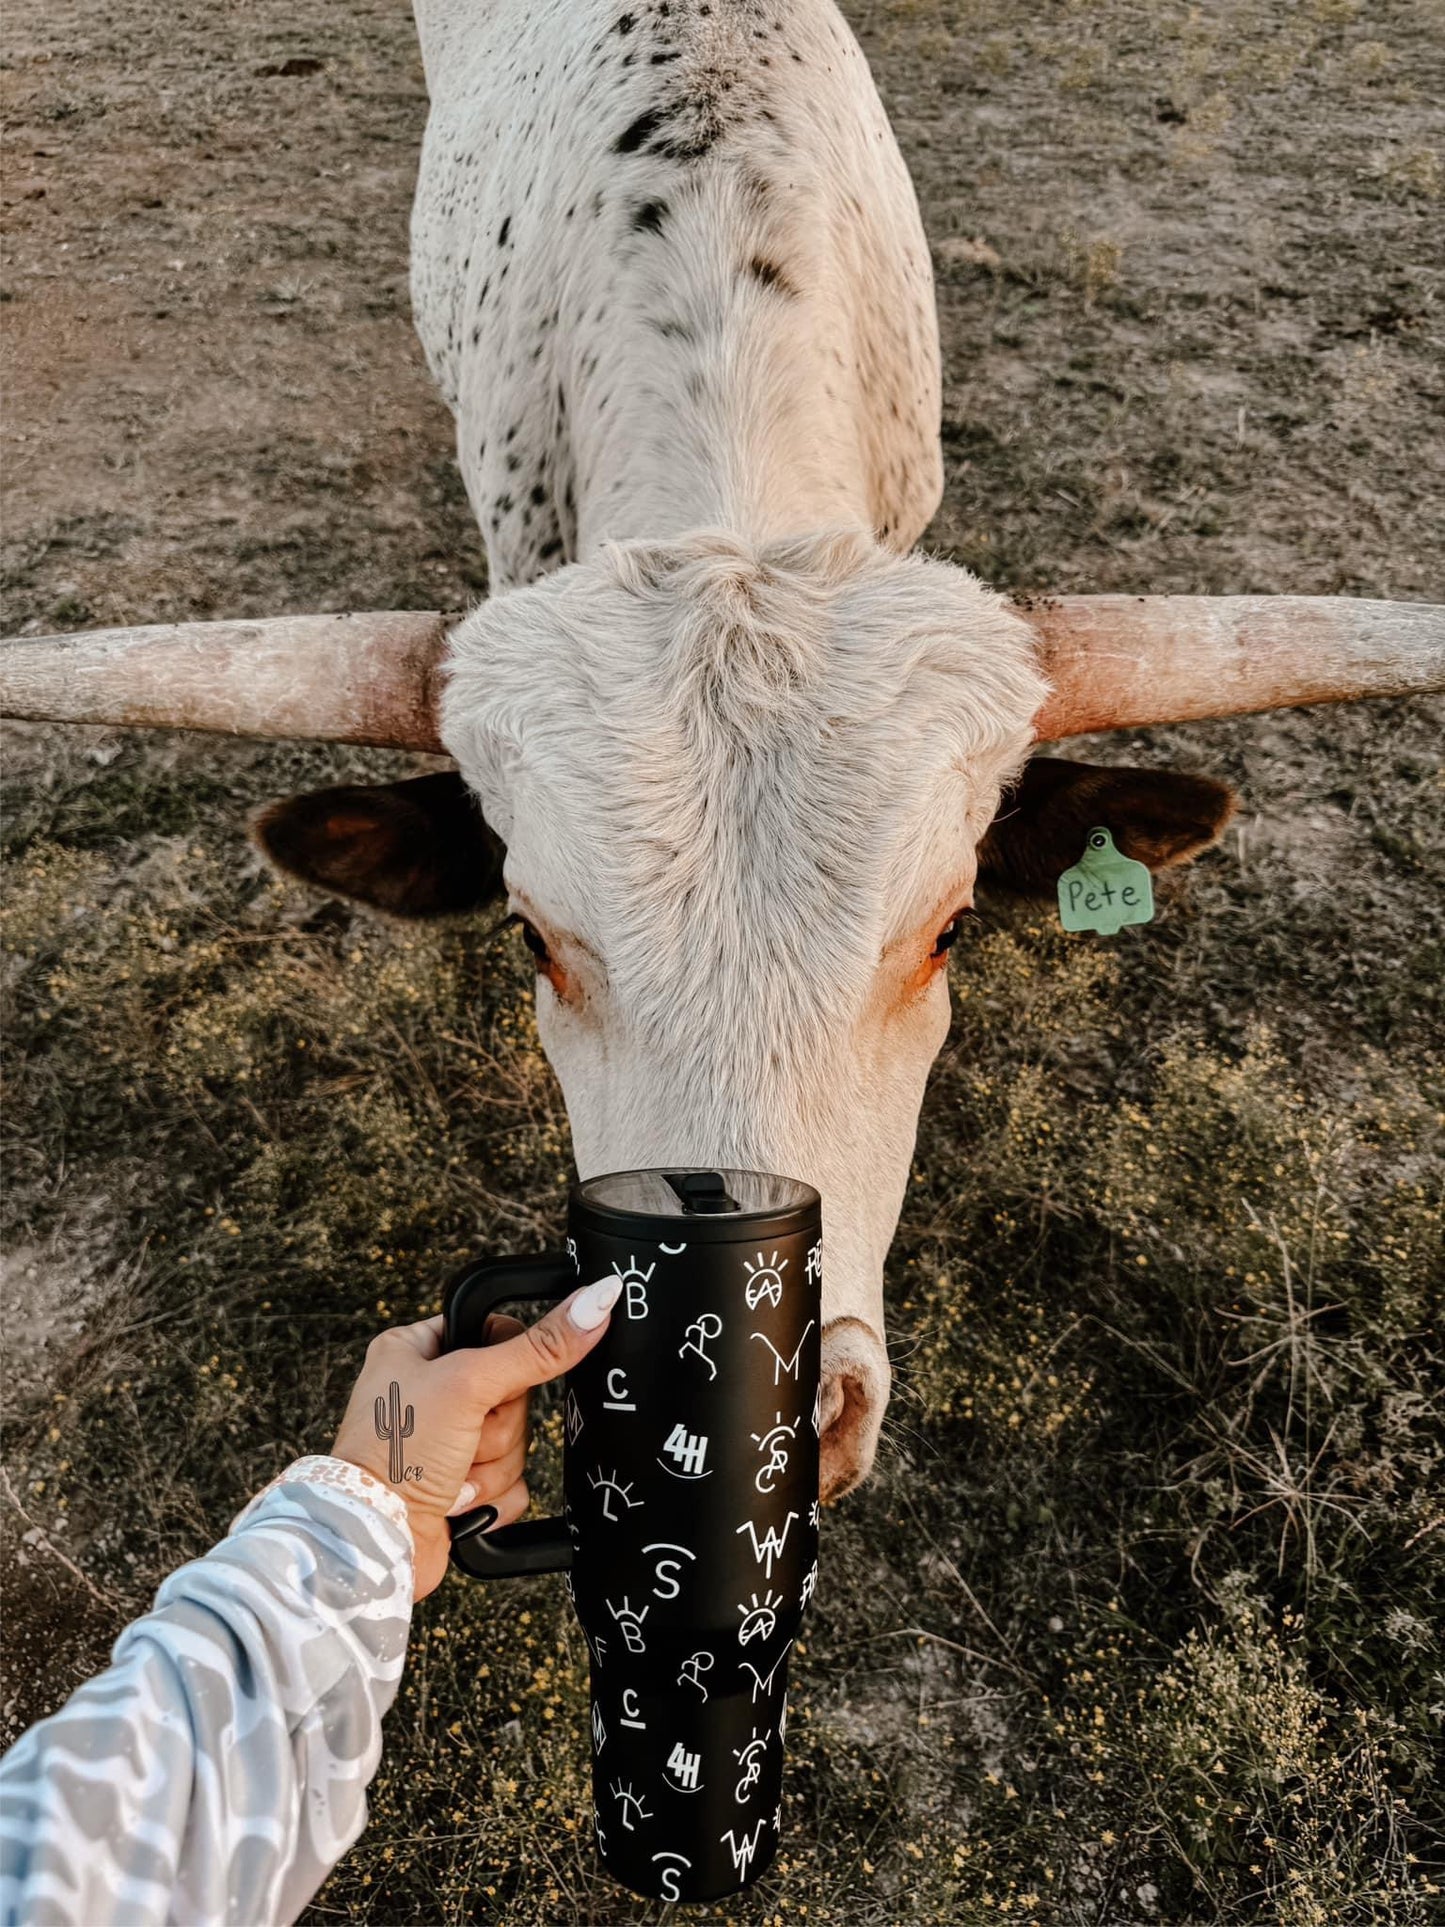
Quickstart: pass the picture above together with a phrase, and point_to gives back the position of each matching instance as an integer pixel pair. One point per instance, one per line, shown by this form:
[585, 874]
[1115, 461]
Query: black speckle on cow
[770, 275]
[640, 130]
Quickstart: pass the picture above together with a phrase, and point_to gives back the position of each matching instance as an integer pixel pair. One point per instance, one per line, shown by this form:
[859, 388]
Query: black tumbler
[690, 1531]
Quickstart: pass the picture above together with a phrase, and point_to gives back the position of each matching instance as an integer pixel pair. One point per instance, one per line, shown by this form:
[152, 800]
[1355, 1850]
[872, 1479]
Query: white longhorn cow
[739, 752]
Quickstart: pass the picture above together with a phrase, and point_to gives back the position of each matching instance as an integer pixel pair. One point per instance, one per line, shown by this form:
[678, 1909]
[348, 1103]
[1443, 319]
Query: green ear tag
[1104, 890]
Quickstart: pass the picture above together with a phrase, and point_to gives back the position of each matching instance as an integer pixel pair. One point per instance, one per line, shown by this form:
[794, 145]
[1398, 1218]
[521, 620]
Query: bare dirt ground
[1140, 1618]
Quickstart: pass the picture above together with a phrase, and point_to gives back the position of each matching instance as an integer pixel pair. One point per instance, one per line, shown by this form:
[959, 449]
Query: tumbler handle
[532, 1545]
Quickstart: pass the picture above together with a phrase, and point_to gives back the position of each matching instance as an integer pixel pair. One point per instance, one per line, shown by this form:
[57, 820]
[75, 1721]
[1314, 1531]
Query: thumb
[547, 1349]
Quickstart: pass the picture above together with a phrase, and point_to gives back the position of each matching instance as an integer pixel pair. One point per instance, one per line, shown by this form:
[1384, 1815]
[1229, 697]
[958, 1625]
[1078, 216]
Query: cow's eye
[535, 941]
[947, 936]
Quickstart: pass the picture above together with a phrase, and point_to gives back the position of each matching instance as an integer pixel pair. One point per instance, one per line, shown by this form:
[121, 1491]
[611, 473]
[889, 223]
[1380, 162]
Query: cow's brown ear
[414, 849]
[1156, 816]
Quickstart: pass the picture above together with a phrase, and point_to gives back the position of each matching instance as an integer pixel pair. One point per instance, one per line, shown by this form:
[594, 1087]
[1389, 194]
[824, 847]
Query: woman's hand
[448, 1431]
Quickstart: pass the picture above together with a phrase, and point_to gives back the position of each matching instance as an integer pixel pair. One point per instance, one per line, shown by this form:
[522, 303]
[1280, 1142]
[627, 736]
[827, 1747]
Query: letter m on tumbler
[390, 1424]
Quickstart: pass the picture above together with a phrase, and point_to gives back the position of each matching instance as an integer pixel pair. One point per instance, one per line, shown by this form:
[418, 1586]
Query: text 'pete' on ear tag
[1104, 890]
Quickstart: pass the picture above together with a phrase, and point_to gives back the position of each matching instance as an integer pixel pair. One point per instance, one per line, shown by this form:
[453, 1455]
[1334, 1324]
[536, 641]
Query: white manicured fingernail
[591, 1305]
[464, 1497]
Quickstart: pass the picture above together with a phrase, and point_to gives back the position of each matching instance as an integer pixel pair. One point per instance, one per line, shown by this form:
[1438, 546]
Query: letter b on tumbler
[690, 1533]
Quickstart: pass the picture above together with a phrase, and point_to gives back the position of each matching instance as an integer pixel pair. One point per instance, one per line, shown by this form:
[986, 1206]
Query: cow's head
[739, 799]
[743, 799]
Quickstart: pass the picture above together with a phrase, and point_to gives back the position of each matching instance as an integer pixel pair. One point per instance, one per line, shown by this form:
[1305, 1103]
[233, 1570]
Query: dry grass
[1140, 1619]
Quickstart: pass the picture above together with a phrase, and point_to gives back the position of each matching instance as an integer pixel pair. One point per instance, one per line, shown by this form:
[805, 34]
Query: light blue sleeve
[217, 1771]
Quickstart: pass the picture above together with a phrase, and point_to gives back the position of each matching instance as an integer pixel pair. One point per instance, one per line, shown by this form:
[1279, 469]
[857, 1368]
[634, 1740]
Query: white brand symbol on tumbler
[771, 1442]
[610, 1485]
[765, 1280]
[693, 1669]
[573, 1413]
[760, 1617]
[700, 1334]
[770, 1546]
[810, 1580]
[689, 1449]
[760, 1683]
[630, 1715]
[599, 1731]
[666, 1570]
[634, 1286]
[742, 1850]
[630, 1620]
[630, 1803]
[749, 1758]
[670, 1873]
[684, 1768]
[813, 1263]
[781, 1364]
[618, 1397]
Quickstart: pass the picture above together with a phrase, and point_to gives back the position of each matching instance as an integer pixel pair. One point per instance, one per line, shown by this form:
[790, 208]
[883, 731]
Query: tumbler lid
[716, 1205]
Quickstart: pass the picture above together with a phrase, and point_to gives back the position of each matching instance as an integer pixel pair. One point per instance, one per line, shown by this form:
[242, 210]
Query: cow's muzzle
[855, 1395]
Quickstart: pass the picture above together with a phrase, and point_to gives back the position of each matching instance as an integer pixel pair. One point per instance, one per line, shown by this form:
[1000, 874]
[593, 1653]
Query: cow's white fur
[742, 749]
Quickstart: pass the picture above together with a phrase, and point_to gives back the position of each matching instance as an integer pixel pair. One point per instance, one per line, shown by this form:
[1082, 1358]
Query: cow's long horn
[1117, 661]
[368, 678]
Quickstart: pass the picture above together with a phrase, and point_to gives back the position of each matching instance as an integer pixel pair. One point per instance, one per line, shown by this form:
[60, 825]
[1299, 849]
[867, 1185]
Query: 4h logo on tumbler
[689, 1449]
[684, 1768]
